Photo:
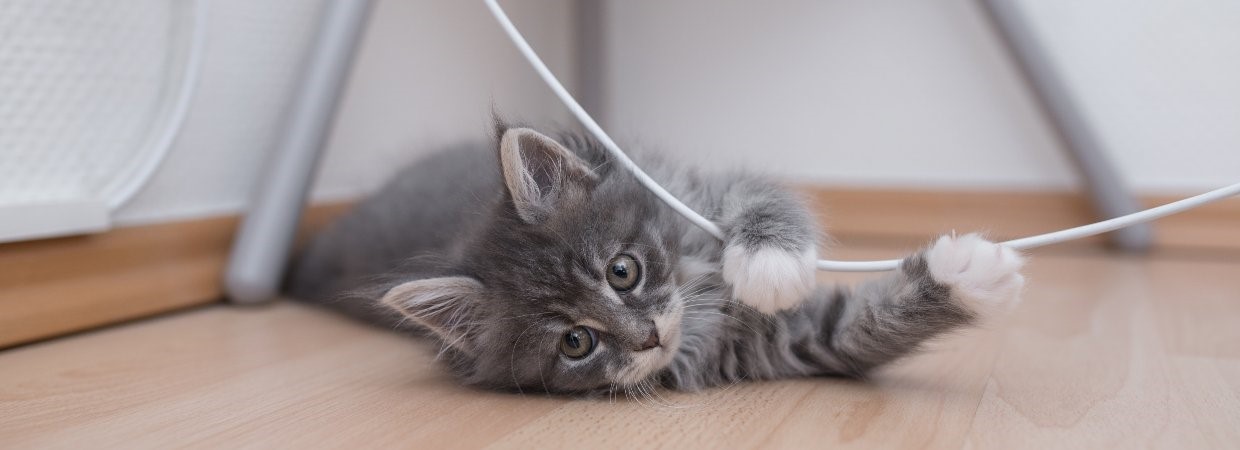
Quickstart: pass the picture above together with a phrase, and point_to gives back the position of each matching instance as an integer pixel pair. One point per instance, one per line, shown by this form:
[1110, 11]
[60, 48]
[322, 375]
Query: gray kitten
[541, 264]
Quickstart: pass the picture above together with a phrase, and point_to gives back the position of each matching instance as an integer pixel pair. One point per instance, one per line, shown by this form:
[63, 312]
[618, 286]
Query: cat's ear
[446, 306]
[540, 173]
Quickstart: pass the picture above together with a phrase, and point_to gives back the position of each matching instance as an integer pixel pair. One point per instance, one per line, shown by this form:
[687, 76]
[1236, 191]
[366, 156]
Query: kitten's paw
[982, 275]
[769, 279]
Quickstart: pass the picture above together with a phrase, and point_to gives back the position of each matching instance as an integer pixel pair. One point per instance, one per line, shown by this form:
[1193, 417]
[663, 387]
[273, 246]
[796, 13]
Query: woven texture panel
[84, 87]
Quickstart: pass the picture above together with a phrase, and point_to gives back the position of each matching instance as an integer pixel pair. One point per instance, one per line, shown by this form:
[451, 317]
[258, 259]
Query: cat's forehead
[602, 231]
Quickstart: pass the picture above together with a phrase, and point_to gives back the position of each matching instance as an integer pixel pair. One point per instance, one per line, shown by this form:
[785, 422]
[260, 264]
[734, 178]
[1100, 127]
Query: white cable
[593, 126]
[1056, 237]
[162, 143]
[1124, 221]
[836, 266]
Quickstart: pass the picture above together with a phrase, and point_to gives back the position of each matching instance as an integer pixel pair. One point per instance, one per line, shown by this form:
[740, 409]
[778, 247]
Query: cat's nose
[652, 341]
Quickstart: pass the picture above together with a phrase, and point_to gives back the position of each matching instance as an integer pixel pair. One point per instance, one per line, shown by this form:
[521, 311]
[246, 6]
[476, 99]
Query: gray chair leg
[260, 252]
[1106, 190]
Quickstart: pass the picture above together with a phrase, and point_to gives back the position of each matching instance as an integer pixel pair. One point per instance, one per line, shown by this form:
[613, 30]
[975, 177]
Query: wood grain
[1114, 352]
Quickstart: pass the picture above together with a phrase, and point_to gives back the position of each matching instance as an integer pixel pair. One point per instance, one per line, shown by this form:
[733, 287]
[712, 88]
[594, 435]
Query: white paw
[769, 279]
[983, 275]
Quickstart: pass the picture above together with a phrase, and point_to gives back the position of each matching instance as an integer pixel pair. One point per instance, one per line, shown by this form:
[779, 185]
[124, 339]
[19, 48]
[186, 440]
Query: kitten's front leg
[771, 247]
[955, 282]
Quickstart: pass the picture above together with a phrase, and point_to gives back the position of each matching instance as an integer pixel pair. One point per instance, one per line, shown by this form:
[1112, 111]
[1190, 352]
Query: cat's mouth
[646, 362]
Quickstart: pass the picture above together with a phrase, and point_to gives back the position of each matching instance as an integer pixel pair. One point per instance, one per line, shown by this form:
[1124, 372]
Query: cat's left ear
[540, 173]
[446, 306]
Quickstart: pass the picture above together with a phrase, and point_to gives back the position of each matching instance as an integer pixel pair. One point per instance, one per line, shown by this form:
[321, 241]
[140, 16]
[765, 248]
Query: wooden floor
[1104, 352]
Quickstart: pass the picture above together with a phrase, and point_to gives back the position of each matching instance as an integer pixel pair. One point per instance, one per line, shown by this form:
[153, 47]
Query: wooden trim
[58, 286]
[908, 215]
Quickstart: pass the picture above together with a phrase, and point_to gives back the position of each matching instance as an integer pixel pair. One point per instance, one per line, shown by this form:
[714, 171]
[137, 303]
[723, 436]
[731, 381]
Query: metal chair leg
[1107, 191]
[260, 252]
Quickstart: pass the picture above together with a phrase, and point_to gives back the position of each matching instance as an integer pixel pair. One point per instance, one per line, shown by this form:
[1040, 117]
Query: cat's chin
[644, 365]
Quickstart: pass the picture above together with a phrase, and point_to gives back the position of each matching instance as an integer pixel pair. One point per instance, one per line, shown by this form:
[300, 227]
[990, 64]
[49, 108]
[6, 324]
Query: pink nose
[652, 341]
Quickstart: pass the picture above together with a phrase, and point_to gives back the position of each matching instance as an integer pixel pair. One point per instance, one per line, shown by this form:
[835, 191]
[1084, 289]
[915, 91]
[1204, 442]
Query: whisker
[654, 392]
[512, 355]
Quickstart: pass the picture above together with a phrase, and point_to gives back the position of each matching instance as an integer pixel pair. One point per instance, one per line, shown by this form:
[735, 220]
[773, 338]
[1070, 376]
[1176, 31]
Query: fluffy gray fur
[497, 251]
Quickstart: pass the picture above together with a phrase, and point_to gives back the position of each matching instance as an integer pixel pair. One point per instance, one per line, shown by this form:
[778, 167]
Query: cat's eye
[578, 342]
[623, 272]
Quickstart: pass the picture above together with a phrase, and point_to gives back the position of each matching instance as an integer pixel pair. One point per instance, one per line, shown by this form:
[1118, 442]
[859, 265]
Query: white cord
[593, 126]
[162, 143]
[1056, 237]
[836, 266]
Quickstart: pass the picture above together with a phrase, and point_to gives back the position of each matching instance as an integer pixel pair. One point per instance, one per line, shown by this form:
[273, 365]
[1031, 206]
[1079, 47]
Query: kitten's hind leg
[957, 281]
[771, 247]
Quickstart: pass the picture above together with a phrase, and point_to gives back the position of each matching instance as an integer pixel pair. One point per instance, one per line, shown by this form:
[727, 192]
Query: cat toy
[827, 265]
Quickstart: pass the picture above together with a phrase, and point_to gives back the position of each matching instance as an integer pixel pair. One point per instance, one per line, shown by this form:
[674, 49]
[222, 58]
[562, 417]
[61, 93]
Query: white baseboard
[44, 220]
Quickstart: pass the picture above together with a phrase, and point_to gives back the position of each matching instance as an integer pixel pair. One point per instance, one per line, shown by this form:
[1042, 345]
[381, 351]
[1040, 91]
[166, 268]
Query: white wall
[876, 93]
[427, 74]
[916, 93]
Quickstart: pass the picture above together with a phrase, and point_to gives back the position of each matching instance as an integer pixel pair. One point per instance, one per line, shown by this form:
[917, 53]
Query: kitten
[541, 264]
